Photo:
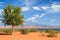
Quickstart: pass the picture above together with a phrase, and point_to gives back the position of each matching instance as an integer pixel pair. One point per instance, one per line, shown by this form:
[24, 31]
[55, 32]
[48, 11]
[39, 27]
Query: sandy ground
[30, 36]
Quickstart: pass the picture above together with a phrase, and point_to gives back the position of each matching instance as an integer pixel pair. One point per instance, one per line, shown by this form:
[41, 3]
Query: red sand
[30, 36]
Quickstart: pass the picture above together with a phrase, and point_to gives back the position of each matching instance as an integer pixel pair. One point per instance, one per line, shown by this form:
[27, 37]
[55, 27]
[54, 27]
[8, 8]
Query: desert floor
[30, 36]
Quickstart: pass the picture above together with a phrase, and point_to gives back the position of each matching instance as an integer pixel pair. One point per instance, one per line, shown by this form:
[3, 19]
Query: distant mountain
[34, 24]
[31, 24]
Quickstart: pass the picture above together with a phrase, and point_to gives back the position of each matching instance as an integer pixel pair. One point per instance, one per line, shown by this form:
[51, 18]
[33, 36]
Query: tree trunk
[13, 30]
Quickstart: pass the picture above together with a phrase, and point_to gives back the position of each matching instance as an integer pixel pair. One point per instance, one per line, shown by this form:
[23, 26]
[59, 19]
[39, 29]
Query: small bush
[33, 30]
[24, 31]
[52, 33]
[7, 31]
[48, 30]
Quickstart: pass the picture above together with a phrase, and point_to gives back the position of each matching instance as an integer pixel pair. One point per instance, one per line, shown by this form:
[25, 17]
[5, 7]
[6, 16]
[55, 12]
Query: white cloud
[34, 17]
[31, 19]
[25, 8]
[1, 10]
[28, 4]
[42, 15]
[55, 7]
[36, 8]
[45, 7]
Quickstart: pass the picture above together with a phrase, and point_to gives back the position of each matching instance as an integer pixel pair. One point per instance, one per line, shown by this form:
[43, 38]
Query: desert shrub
[33, 30]
[52, 33]
[1, 30]
[7, 30]
[24, 31]
[48, 30]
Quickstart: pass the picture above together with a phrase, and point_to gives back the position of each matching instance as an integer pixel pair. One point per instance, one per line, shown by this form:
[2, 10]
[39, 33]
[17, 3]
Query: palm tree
[12, 16]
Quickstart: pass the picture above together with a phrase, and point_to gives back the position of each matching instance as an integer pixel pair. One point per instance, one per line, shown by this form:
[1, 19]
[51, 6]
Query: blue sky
[42, 12]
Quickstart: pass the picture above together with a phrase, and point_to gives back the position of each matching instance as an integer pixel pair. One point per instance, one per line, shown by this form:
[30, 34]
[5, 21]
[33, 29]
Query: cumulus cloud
[31, 19]
[28, 8]
[45, 7]
[42, 15]
[55, 7]
[1, 10]
[36, 8]
[34, 17]
[25, 8]
[28, 5]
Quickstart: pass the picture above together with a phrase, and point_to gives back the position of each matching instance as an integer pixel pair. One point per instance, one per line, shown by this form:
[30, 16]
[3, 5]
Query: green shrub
[33, 30]
[24, 31]
[48, 30]
[52, 33]
[7, 30]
